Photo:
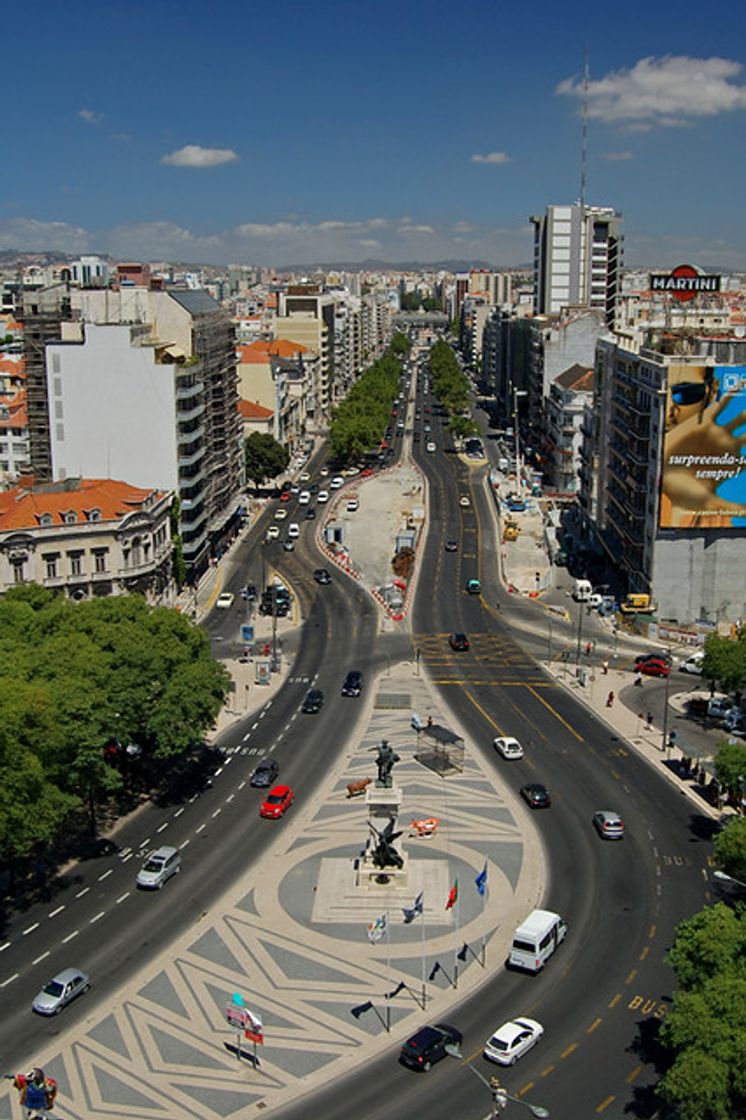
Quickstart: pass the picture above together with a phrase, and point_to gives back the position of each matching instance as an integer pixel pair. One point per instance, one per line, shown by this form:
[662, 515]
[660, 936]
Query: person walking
[604, 667]
[638, 679]
[610, 700]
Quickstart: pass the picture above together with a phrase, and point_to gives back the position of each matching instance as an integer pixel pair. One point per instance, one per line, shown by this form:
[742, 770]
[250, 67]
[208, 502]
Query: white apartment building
[577, 259]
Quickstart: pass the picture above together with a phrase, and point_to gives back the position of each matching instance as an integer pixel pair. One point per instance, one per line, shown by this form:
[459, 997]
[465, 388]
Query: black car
[353, 683]
[428, 1046]
[451, 546]
[459, 642]
[321, 575]
[310, 514]
[313, 702]
[265, 774]
[536, 795]
[248, 593]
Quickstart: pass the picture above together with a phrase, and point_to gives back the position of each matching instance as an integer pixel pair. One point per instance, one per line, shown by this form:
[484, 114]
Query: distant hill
[373, 265]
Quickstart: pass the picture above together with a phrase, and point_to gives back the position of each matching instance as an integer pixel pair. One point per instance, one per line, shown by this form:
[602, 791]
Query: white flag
[378, 928]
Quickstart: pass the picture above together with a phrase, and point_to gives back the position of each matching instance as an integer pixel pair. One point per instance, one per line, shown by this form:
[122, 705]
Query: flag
[453, 895]
[254, 1035]
[377, 928]
[417, 908]
[361, 1009]
[400, 987]
[481, 880]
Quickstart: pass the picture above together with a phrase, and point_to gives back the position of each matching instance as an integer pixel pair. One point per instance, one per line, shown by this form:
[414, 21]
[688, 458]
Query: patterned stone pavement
[292, 938]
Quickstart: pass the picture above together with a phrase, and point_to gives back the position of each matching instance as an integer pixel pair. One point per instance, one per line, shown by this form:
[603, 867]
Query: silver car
[609, 825]
[60, 991]
[158, 868]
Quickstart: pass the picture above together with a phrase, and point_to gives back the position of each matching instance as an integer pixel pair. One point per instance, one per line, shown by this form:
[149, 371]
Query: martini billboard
[703, 478]
[684, 282]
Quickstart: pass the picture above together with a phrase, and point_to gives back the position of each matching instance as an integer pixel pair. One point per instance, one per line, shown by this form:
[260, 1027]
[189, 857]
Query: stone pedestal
[383, 804]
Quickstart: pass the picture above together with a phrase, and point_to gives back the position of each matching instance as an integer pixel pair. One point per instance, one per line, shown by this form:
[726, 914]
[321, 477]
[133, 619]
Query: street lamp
[665, 742]
[500, 1096]
[728, 879]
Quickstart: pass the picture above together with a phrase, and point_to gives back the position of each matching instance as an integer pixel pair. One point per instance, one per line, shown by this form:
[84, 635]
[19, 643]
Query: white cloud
[462, 227]
[369, 243]
[36, 236]
[275, 229]
[90, 116]
[416, 229]
[667, 91]
[616, 156]
[193, 155]
[162, 241]
[490, 157]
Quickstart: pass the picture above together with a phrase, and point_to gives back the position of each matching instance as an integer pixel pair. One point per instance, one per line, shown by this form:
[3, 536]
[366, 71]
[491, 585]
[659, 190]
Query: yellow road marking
[594, 1024]
[547, 1071]
[549, 707]
[525, 1089]
[605, 1104]
[652, 931]
[644, 953]
[630, 976]
[634, 1075]
[566, 1053]
[479, 708]
[615, 1000]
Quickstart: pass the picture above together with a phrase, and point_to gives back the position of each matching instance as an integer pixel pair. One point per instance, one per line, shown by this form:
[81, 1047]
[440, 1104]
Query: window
[51, 566]
[46, 520]
[76, 563]
[18, 571]
[70, 517]
[99, 561]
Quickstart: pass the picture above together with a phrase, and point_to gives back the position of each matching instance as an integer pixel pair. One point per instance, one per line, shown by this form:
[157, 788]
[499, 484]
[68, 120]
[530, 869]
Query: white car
[336, 482]
[305, 477]
[273, 532]
[512, 1040]
[281, 514]
[464, 501]
[430, 446]
[692, 664]
[304, 498]
[224, 600]
[353, 505]
[322, 497]
[293, 530]
[508, 747]
[158, 868]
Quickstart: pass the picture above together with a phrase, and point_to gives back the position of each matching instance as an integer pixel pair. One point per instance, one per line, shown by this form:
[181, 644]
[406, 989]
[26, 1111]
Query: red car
[654, 667]
[276, 802]
[368, 472]
[285, 496]
[459, 642]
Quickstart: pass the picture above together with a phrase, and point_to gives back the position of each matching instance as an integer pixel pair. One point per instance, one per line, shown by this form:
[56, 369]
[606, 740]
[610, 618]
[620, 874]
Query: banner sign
[684, 283]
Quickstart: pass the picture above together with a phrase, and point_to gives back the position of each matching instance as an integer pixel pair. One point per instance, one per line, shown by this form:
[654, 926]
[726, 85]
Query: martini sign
[684, 283]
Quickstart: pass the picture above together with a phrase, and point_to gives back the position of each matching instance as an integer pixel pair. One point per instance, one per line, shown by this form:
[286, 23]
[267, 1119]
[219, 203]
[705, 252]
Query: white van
[536, 939]
[693, 663]
[582, 590]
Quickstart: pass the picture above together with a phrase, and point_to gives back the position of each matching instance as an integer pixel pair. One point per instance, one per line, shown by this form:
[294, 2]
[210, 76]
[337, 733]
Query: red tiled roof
[18, 411]
[23, 506]
[252, 410]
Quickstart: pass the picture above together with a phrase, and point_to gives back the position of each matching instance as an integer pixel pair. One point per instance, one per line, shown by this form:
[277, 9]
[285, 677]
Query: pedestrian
[610, 700]
[588, 648]
[638, 679]
[604, 667]
[649, 719]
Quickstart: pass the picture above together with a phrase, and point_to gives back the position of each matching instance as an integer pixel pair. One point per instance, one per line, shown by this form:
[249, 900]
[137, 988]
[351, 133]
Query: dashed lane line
[81, 893]
[31, 929]
[54, 913]
[9, 980]
[96, 918]
[161, 827]
[106, 875]
[41, 958]
[178, 812]
[123, 896]
[70, 936]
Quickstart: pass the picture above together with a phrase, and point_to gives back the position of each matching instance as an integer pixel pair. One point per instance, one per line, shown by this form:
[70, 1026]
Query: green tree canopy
[729, 848]
[725, 661]
[265, 457]
[730, 765]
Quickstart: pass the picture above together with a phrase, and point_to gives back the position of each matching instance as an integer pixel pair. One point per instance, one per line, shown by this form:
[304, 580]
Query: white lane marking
[9, 980]
[241, 785]
[183, 845]
[161, 827]
[69, 937]
[99, 915]
[218, 810]
[31, 928]
[54, 913]
[293, 716]
[125, 851]
[218, 771]
[228, 759]
[123, 896]
[81, 893]
[128, 857]
[254, 725]
[41, 958]
[178, 812]
[144, 843]
[5, 946]
[229, 798]
[193, 798]
[105, 875]
[198, 830]
[246, 736]
[268, 704]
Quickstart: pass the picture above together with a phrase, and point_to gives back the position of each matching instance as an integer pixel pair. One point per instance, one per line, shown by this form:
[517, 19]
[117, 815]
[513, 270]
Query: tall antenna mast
[584, 134]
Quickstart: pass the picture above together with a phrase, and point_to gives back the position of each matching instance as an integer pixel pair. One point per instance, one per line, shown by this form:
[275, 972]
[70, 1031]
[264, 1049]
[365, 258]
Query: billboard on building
[703, 480]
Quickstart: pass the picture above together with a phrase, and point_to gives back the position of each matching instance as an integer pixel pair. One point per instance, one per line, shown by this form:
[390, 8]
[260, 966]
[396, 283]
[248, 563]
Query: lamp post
[664, 733]
[721, 875]
[500, 1096]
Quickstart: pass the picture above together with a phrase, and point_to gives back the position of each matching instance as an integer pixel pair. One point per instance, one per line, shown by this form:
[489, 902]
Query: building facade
[577, 259]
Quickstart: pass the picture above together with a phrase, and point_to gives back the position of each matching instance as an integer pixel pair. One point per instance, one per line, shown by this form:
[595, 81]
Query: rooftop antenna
[584, 133]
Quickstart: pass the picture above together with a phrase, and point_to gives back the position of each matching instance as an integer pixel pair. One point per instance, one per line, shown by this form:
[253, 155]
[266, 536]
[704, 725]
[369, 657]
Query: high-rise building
[577, 259]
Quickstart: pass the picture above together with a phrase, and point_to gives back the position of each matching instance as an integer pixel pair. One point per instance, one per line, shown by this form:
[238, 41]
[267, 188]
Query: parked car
[336, 483]
[608, 824]
[353, 683]
[277, 802]
[265, 774]
[536, 795]
[459, 642]
[313, 702]
[428, 1046]
[224, 600]
[158, 868]
[61, 990]
[512, 1040]
[719, 706]
[508, 747]
[288, 545]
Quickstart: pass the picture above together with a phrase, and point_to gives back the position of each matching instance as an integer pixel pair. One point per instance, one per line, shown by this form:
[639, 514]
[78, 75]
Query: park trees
[725, 661]
[265, 457]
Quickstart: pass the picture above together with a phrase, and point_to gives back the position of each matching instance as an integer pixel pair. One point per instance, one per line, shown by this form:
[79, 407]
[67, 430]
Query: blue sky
[227, 131]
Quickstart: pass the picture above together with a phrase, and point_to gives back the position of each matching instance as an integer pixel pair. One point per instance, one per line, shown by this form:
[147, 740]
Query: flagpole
[424, 971]
[458, 927]
[484, 907]
[388, 968]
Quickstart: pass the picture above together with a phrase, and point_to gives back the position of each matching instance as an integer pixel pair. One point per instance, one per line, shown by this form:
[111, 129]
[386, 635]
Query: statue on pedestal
[384, 853]
[387, 756]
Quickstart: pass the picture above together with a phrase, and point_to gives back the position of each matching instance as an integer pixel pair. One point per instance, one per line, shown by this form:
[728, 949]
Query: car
[459, 642]
[281, 514]
[224, 600]
[304, 498]
[451, 545]
[249, 593]
[305, 477]
[512, 1040]
[464, 501]
[719, 706]
[353, 683]
[508, 747]
[313, 701]
[516, 505]
[324, 472]
[310, 514]
[367, 472]
[428, 1046]
[61, 990]
[336, 482]
[288, 545]
[473, 587]
[265, 774]
[322, 497]
[693, 664]
[353, 505]
[654, 667]
[430, 446]
[643, 657]
[293, 530]
[158, 868]
[321, 575]
[277, 802]
[273, 532]
[536, 795]
[285, 496]
[294, 488]
[608, 824]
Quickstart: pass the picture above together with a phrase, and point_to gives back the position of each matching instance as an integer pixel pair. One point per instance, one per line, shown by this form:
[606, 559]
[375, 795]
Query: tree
[730, 765]
[399, 344]
[725, 661]
[729, 848]
[710, 942]
[265, 457]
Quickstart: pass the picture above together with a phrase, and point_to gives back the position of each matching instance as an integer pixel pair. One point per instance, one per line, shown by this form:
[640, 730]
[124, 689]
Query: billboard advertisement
[703, 479]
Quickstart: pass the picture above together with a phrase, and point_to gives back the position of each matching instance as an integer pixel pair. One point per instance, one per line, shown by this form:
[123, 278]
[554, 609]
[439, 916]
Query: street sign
[262, 672]
[247, 633]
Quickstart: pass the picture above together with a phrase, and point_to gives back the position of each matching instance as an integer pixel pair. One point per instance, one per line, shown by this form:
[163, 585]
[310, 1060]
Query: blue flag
[481, 880]
[417, 907]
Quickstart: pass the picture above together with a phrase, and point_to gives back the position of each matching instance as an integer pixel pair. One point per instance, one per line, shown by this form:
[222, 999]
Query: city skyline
[299, 135]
